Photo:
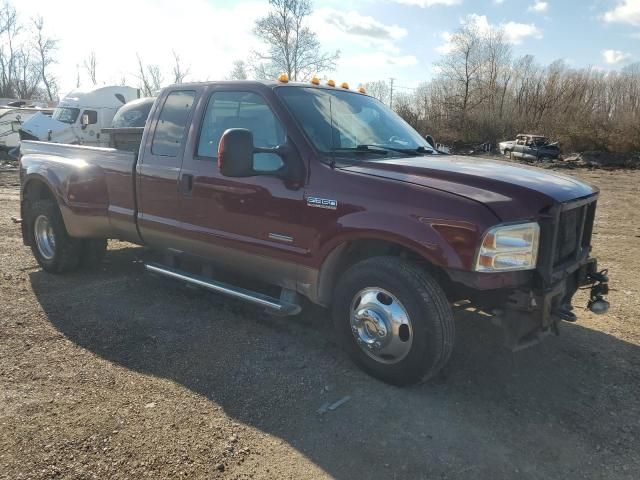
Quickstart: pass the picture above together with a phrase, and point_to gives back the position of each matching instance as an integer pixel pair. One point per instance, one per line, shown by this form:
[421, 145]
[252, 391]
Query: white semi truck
[80, 117]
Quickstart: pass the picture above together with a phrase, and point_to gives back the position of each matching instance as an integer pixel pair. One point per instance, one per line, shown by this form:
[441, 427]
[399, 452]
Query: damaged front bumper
[529, 314]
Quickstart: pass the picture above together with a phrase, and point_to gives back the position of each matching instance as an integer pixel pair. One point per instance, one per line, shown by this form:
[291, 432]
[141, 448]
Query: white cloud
[353, 23]
[514, 32]
[429, 3]
[627, 11]
[539, 7]
[498, 2]
[613, 57]
[350, 30]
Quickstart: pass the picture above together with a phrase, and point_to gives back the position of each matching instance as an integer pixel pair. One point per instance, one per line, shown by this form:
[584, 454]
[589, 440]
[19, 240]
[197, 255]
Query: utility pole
[391, 93]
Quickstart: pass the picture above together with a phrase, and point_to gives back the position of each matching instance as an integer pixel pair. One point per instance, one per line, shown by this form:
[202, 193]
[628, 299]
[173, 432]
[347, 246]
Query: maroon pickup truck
[318, 192]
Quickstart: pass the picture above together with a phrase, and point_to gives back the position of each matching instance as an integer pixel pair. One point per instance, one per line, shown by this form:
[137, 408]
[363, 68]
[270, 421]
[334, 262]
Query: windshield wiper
[363, 149]
[410, 151]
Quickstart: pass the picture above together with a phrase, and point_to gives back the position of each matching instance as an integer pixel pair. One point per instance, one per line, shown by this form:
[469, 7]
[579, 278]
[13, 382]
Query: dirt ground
[116, 374]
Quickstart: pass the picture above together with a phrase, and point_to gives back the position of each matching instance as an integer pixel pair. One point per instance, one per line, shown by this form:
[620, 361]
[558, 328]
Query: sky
[377, 39]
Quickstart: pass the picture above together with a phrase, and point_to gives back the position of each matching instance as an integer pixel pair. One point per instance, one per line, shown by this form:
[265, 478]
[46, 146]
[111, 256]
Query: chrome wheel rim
[381, 325]
[45, 238]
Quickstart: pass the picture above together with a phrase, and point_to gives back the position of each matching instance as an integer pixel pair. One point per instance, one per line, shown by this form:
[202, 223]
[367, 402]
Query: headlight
[509, 247]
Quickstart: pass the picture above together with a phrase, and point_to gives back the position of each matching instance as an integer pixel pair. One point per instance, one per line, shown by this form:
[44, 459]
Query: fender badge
[322, 203]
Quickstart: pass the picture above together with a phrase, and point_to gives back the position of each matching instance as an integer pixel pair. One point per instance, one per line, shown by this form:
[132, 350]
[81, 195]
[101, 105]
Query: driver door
[248, 225]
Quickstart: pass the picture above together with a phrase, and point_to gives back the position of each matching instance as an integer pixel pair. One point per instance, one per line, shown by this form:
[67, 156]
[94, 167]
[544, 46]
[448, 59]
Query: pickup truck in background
[530, 147]
[323, 193]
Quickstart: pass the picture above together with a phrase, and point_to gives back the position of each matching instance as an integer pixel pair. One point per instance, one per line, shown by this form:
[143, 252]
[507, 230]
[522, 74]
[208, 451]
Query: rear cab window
[169, 134]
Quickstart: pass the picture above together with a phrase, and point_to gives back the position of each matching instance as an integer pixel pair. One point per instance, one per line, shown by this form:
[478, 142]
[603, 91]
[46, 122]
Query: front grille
[574, 233]
[565, 236]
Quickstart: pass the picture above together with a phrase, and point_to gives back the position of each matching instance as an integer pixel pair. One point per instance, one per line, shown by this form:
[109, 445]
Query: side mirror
[235, 153]
[84, 120]
[15, 126]
[430, 141]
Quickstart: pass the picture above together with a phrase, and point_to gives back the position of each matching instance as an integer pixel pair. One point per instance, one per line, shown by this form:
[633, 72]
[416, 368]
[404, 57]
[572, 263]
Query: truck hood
[512, 191]
[39, 125]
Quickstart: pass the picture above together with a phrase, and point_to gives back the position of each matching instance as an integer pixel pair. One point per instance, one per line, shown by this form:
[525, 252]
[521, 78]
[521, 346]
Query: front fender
[443, 243]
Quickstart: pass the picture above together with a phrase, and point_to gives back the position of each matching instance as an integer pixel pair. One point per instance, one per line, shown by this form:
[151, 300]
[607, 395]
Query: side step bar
[279, 306]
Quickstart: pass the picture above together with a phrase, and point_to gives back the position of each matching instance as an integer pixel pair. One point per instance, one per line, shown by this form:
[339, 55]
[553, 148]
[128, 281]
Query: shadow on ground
[562, 409]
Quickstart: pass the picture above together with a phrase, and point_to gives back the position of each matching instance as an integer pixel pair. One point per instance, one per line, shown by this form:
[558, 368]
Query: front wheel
[394, 320]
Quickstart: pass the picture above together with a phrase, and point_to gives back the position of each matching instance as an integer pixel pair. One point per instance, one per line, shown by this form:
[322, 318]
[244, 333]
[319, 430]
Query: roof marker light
[331, 83]
[315, 80]
[344, 85]
[284, 78]
[361, 89]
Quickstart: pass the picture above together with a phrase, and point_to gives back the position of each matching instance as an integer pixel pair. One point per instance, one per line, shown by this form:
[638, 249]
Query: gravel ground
[116, 374]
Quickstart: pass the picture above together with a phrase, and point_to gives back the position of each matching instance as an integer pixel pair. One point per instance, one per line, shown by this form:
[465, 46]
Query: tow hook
[597, 304]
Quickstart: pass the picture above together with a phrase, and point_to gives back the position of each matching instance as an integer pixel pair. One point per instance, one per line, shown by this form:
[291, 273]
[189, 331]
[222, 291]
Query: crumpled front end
[531, 304]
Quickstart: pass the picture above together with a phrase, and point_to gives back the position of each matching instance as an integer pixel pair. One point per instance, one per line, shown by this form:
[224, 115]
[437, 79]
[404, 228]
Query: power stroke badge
[322, 203]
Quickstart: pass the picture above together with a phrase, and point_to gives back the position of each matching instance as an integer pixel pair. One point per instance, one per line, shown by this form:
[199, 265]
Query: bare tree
[461, 66]
[378, 89]
[45, 47]
[179, 71]
[150, 77]
[239, 71]
[90, 65]
[9, 55]
[291, 47]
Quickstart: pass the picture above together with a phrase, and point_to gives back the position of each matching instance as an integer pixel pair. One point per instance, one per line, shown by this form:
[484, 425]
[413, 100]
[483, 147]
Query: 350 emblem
[322, 203]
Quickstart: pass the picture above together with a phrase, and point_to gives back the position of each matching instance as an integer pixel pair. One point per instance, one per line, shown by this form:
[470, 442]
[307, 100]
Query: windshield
[342, 123]
[66, 114]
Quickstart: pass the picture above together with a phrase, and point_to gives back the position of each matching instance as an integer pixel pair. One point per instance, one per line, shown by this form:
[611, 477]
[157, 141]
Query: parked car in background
[530, 147]
[11, 119]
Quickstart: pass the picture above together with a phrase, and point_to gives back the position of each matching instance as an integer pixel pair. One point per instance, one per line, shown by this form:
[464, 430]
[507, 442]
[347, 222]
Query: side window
[92, 116]
[241, 110]
[172, 123]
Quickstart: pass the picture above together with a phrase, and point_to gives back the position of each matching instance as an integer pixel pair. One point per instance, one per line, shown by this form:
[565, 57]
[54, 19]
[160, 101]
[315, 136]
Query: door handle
[186, 183]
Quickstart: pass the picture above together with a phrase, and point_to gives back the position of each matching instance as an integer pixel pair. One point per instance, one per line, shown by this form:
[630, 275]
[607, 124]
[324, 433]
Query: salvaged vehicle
[319, 192]
[80, 116]
[530, 147]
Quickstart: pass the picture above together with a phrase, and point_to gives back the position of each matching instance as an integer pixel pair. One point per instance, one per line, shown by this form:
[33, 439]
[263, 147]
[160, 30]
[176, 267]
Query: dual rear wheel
[53, 248]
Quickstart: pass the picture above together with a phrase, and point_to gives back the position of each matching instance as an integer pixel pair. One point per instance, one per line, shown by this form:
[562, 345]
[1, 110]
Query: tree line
[481, 94]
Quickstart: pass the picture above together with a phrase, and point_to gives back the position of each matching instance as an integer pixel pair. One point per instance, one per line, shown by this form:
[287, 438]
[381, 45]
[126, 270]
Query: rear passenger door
[159, 168]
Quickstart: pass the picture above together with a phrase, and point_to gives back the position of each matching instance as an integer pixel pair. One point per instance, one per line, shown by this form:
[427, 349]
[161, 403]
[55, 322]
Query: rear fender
[77, 187]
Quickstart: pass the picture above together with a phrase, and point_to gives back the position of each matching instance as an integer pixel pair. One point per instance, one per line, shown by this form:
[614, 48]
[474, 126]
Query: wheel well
[34, 190]
[349, 253]
[37, 190]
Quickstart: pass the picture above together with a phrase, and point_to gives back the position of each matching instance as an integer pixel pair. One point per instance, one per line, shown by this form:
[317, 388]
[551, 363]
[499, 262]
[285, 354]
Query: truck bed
[95, 186]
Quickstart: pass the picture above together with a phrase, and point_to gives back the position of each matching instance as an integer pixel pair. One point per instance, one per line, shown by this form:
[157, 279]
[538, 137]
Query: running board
[279, 306]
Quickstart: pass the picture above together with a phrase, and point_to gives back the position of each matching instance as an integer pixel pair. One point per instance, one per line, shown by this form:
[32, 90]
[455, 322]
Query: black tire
[92, 252]
[65, 255]
[426, 305]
